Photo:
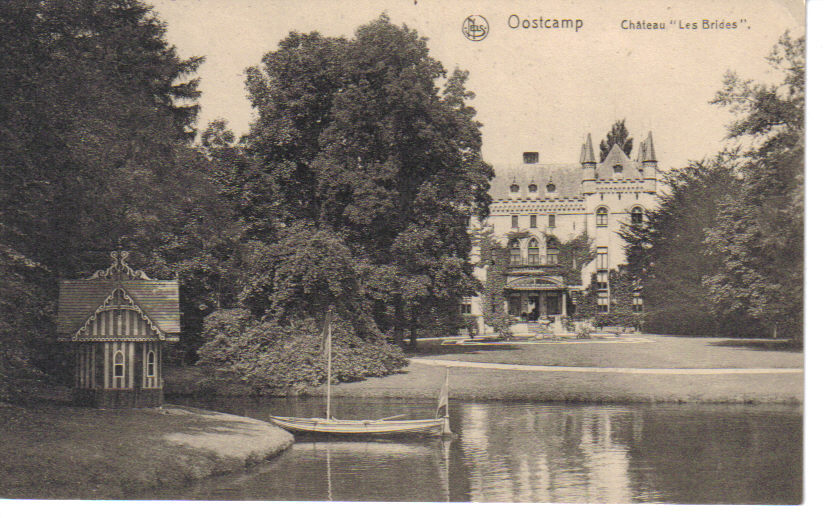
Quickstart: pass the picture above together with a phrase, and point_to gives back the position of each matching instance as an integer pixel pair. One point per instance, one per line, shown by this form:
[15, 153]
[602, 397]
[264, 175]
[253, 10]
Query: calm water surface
[526, 452]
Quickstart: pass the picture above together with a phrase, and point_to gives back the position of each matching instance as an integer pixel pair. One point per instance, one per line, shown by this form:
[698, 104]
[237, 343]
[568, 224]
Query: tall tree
[356, 137]
[95, 107]
[760, 232]
[619, 135]
[667, 252]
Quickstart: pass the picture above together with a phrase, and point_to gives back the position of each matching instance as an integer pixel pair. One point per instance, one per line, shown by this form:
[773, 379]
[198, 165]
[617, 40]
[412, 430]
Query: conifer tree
[619, 135]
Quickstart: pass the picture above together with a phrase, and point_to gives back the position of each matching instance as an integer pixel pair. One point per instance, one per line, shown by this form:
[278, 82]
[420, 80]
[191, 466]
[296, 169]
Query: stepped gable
[565, 177]
[617, 157]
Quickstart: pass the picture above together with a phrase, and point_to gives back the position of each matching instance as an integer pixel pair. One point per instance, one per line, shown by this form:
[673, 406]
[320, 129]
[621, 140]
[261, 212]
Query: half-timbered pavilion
[117, 322]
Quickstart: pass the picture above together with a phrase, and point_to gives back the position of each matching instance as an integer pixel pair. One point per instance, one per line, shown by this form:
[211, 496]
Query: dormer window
[550, 187]
[533, 188]
[530, 157]
[514, 188]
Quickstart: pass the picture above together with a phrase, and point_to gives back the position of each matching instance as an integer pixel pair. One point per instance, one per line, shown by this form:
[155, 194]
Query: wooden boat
[351, 426]
[387, 425]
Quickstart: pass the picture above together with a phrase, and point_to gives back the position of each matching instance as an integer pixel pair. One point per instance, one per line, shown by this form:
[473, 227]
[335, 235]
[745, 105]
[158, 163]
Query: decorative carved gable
[119, 269]
[100, 325]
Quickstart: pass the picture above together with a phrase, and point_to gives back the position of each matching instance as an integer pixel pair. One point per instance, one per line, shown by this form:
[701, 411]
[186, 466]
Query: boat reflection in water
[338, 469]
[519, 452]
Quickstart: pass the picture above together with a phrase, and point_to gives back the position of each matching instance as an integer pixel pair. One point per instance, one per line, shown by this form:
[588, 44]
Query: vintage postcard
[403, 251]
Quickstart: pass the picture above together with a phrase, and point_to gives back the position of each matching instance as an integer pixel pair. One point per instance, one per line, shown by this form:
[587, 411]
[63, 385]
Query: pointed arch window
[514, 253]
[637, 216]
[533, 188]
[601, 217]
[514, 188]
[119, 365]
[150, 364]
[533, 252]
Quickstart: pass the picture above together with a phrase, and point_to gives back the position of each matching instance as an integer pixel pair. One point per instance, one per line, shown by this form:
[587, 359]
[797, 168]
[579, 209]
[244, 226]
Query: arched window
[533, 187]
[601, 217]
[514, 253]
[150, 364]
[618, 168]
[550, 187]
[637, 216]
[533, 252]
[119, 366]
[514, 188]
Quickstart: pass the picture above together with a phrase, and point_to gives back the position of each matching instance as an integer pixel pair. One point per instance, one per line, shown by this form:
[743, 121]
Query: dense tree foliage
[367, 146]
[668, 255]
[617, 134]
[759, 234]
[96, 122]
[723, 253]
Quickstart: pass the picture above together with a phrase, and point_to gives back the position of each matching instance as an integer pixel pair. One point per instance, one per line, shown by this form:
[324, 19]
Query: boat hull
[362, 427]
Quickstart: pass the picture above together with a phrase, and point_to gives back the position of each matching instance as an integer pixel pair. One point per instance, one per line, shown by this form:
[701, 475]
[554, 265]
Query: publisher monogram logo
[475, 27]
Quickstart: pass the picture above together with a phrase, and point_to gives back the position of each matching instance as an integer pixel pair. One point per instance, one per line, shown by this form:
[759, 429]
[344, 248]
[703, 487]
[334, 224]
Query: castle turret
[587, 155]
[588, 165]
[648, 158]
[649, 163]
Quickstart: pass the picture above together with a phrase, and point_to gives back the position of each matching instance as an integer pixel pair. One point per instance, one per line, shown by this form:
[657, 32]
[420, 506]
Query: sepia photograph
[403, 251]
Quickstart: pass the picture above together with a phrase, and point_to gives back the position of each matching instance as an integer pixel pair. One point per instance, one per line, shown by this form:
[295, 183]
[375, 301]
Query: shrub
[272, 357]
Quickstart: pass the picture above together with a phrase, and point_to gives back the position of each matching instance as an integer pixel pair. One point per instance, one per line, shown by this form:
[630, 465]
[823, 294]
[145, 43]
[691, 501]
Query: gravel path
[603, 370]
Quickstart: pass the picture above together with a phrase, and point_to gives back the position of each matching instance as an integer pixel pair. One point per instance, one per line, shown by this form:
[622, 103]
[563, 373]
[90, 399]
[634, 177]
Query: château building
[537, 207]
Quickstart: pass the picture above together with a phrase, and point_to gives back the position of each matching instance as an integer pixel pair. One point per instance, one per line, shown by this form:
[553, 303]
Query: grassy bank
[644, 351]
[468, 384]
[52, 450]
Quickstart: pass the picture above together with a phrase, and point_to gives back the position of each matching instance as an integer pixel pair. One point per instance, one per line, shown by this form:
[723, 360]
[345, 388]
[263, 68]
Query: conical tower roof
[587, 154]
[649, 148]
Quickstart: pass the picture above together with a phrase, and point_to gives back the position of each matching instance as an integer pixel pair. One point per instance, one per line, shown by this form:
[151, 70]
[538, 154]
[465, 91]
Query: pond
[528, 452]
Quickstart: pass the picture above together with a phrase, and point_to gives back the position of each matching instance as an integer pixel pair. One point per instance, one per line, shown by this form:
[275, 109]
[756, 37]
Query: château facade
[537, 207]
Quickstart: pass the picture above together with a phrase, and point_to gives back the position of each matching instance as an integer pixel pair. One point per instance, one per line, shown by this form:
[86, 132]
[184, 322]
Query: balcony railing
[541, 260]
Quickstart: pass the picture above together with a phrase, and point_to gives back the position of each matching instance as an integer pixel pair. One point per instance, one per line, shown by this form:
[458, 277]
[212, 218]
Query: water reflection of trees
[611, 454]
[546, 453]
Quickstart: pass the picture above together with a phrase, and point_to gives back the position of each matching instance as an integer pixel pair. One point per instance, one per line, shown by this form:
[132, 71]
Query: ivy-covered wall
[622, 286]
[493, 301]
[573, 255]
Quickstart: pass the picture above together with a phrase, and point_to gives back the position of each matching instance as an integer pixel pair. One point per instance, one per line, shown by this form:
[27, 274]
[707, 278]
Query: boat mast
[327, 337]
[446, 383]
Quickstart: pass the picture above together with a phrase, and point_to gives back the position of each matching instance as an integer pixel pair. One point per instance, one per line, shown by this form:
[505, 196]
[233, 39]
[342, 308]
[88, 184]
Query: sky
[537, 89]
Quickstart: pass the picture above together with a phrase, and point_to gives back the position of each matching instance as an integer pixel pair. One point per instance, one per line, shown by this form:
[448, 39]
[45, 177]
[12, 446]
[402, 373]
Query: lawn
[467, 384]
[643, 351]
[634, 351]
